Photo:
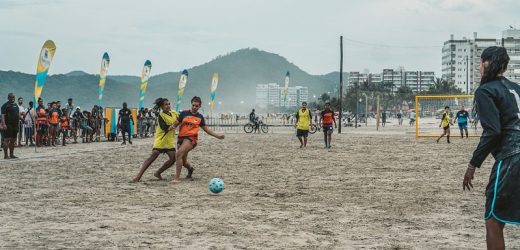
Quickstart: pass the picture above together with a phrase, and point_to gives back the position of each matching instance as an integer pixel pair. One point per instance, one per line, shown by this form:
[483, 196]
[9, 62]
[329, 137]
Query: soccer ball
[216, 185]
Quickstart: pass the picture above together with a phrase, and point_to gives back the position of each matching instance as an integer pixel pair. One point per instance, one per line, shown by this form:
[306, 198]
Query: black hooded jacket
[498, 106]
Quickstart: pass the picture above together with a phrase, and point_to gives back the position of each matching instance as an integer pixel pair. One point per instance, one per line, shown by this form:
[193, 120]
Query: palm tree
[443, 87]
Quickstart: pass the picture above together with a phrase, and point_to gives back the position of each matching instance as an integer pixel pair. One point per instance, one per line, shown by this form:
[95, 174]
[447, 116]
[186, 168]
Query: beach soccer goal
[429, 110]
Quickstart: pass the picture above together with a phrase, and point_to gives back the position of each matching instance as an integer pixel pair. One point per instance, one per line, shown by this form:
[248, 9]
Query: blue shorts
[463, 125]
[328, 129]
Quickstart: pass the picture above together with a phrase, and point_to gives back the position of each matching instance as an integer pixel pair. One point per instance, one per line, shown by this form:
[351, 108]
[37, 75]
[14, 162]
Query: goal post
[429, 110]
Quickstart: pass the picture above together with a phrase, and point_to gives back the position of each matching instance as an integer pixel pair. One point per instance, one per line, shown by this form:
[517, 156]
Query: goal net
[429, 110]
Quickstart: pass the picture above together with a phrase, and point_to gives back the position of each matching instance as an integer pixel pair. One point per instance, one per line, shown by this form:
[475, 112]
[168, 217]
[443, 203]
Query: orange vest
[64, 122]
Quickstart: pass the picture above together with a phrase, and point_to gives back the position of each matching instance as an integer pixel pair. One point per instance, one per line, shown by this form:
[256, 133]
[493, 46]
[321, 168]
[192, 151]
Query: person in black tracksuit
[498, 106]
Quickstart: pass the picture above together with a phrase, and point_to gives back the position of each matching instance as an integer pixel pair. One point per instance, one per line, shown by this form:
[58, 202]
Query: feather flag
[103, 77]
[182, 86]
[144, 81]
[44, 63]
[286, 89]
[213, 90]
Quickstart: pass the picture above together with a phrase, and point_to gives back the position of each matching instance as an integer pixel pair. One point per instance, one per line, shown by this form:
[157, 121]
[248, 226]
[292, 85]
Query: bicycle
[250, 127]
[315, 128]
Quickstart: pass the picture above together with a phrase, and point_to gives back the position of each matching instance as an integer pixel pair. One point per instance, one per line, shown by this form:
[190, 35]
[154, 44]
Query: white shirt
[21, 109]
[29, 119]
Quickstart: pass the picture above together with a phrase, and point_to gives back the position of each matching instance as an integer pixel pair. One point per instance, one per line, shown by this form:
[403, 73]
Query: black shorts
[301, 132]
[11, 132]
[446, 128]
[193, 140]
[42, 128]
[164, 150]
[125, 128]
[503, 191]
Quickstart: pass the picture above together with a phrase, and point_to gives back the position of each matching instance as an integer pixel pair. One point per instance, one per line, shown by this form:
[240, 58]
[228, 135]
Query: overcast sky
[181, 34]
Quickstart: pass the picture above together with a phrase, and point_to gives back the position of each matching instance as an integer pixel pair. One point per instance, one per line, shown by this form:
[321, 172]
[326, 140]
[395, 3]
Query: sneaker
[130, 142]
[124, 143]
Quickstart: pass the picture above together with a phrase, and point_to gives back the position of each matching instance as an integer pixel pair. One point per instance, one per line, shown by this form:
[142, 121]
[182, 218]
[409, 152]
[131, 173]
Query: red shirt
[327, 117]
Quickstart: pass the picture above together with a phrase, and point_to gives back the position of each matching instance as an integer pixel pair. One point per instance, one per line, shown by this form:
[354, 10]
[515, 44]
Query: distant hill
[77, 73]
[239, 73]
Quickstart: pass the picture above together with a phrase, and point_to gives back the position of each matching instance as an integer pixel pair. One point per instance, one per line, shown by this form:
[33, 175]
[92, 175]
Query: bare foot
[158, 176]
[176, 181]
[135, 180]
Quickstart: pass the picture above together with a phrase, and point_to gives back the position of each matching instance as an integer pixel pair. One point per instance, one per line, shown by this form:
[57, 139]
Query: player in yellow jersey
[164, 142]
[303, 124]
[445, 124]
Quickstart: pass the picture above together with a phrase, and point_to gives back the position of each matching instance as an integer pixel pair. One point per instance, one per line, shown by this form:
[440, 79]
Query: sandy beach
[373, 189]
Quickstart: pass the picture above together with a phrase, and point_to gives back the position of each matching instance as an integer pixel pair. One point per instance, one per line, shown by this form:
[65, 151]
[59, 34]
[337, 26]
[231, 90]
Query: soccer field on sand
[372, 189]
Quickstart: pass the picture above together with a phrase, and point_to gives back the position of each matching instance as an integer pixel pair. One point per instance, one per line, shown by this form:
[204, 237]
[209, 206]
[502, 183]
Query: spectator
[10, 125]
[28, 119]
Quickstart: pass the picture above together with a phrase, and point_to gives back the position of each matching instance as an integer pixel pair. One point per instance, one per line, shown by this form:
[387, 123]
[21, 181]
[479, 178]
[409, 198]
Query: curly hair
[196, 99]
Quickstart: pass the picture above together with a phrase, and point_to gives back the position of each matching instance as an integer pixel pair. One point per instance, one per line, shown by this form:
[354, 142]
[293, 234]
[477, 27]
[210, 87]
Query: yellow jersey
[165, 139]
[446, 120]
[304, 119]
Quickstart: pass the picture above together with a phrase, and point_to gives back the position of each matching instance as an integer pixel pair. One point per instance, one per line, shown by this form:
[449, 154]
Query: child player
[327, 118]
[445, 124]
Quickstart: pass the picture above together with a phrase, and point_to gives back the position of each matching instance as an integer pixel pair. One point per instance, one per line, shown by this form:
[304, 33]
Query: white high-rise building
[461, 58]
[272, 95]
[418, 81]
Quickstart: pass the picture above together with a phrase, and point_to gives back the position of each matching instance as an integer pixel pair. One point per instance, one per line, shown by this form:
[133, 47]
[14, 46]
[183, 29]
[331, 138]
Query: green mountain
[239, 73]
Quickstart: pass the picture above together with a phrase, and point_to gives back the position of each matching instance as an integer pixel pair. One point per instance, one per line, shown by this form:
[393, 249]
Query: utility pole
[340, 83]
[467, 76]
[357, 104]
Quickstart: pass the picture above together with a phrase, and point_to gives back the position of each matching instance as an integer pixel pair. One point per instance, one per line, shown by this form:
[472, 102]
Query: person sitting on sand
[164, 142]
[189, 122]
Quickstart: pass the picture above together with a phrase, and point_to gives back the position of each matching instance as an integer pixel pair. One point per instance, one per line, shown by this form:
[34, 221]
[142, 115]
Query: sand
[371, 190]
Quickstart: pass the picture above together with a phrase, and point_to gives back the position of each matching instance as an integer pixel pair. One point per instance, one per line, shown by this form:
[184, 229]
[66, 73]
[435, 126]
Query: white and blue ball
[216, 185]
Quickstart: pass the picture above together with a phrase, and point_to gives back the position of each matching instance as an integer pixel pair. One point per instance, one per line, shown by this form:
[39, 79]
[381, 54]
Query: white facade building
[418, 81]
[461, 58]
[272, 95]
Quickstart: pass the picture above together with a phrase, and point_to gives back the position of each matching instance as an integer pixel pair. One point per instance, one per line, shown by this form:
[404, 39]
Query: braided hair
[497, 60]
[159, 102]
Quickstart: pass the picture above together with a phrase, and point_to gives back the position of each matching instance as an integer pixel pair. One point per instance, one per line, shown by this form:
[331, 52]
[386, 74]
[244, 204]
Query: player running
[462, 119]
[164, 142]
[445, 124]
[303, 124]
[327, 118]
[189, 122]
[498, 106]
